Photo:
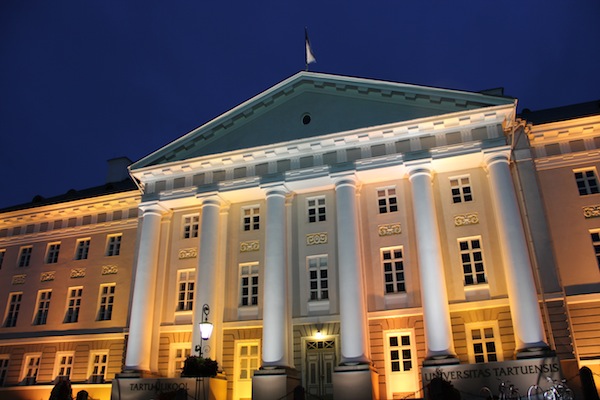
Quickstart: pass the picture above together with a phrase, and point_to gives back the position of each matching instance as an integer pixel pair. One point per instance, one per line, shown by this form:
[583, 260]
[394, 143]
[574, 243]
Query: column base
[449, 359]
[355, 382]
[535, 352]
[137, 374]
[275, 383]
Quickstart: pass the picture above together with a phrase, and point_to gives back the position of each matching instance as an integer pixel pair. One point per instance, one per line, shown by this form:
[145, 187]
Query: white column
[522, 293]
[204, 292]
[142, 306]
[434, 296]
[274, 299]
[353, 314]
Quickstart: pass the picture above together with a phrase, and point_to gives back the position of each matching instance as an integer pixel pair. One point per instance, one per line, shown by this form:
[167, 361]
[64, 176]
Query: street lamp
[206, 328]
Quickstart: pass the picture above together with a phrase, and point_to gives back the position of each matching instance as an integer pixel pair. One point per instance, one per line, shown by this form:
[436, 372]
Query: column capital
[419, 167]
[153, 207]
[210, 200]
[275, 189]
[491, 157]
[345, 179]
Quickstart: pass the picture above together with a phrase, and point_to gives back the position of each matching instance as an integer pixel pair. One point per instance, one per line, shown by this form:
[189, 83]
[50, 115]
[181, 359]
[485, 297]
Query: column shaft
[436, 311]
[353, 314]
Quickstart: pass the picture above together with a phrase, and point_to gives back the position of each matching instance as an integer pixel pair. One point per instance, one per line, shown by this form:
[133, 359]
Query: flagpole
[309, 56]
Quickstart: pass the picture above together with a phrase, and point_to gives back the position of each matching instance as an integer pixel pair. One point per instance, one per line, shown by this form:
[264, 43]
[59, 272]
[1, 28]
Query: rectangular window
[249, 284]
[316, 209]
[30, 368]
[73, 304]
[471, 255]
[318, 277]
[2, 253]
[587, 181]
[461, 189]
[246, 361]
[12, 310]
[596, 244]
[482, 343]
[43, 305]
[63, 366]
[52, 253]
[98, 366]
[113, 245]
[190, 226]
[251, 218]
[107, 299]
[179, 352]
[392, 261]
[25, 256]
[3, 368]
[400, 353]
[387, 200]
[82, 249]
[185, 290]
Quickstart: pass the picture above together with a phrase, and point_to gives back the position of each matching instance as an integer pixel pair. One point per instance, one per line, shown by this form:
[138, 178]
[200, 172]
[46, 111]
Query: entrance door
[318, 371]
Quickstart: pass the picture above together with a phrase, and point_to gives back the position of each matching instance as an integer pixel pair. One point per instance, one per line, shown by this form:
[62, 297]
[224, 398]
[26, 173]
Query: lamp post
[206, 328]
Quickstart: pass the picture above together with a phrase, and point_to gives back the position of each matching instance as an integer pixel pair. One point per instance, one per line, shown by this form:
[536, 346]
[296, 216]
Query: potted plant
[195, 366]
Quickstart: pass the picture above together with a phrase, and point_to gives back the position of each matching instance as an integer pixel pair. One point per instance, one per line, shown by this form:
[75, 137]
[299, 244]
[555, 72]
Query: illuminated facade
[345, 232]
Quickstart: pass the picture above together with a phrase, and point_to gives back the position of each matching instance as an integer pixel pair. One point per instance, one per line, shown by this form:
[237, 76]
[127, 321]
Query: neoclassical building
[352, 236]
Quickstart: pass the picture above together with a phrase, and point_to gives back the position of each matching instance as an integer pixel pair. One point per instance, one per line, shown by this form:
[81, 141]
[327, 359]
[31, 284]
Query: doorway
[319, 364]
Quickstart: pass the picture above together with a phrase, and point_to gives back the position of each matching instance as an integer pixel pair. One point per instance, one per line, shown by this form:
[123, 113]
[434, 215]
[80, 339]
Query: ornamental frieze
[466, 219]
[109, 269]
[316, 238]
[251, 245]
[591, 211]
[389, 229]
[191, 252]
[77, 273]
[18, 279]
[47, 276]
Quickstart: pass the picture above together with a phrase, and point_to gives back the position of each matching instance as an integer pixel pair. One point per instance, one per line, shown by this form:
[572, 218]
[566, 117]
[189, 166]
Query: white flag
[310, 57]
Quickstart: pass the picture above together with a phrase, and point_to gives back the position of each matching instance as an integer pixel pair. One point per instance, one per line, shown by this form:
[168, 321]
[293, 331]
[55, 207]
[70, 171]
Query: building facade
[347, 234]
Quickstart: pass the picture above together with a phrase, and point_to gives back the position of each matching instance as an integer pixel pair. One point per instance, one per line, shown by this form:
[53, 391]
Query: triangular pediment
[313, 104]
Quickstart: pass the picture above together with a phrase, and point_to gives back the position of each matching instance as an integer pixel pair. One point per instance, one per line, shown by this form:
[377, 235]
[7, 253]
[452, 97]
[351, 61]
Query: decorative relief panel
[47, 276]
[389, 229]
[191, 252]
[77, 273]
[591, 211]
[466, 219]
[109, 269]
[18, 279]
[251, 245]
[316, 238]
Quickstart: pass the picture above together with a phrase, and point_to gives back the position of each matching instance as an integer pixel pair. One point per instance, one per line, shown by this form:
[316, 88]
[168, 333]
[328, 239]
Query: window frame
[497, 340]
[464, 191]
[52, 252]
[92, 365]
[82, 248]
[393, 272]
[387, 202]
[11, 315]
[188, 292]
[583, 184]
[242, 386]
[251, 221]
[319, 210]
[2, 255]
[186, 350]
[43, 301]
[58, 365]
[72, 317]
[190, 226]
[24, 259]
[4, 365]
[316, 291]
[113, 245]
[401, 380]
[105, 310]
[473, 274]
[26, 377]
[251, 296]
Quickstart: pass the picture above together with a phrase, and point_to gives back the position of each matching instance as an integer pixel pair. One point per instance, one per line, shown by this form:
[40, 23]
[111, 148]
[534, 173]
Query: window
[73, 304]
[247, 360]
[587, 182]
[316, 209]
[2, 252]
[113, 245]
[185, 291]
[43, 305]
[482, 344]
[249, 284]
[251, 218]
[107, 299]
[392, 261]
[179, 352]
[12, 310]
[596, 244]
[317, 278]
[461, 189]
[386, 200]
[63, 365]
[52, 253]
[190, 226]
[25, 256]
[400, 364]
[98, 366]
[30, 368]
[3, 368]
[82, 249]
[471, 255]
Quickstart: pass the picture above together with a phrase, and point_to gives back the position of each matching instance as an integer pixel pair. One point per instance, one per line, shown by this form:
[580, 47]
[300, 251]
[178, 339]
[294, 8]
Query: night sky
[84, 81]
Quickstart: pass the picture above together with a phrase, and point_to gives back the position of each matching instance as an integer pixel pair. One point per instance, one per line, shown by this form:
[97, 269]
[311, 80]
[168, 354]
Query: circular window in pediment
[306, 119]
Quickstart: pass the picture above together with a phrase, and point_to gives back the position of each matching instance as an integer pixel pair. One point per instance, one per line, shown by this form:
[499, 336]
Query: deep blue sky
[85, 81]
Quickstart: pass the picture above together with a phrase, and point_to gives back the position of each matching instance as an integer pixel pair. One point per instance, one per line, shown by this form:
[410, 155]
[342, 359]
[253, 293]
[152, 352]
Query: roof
[562, 113]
